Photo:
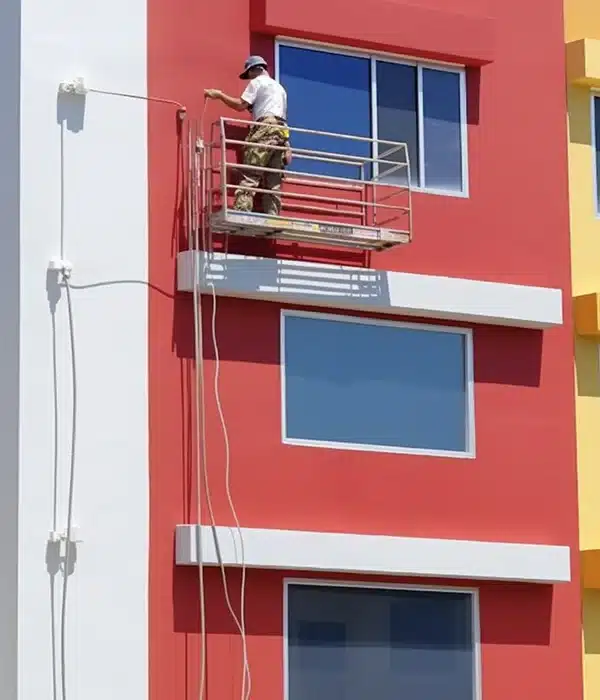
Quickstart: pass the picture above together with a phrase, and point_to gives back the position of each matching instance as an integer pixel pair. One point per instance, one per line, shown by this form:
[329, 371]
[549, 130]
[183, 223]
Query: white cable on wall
[66, 273]
[200, 419]
[239, 621]
[78, 87]
[204, 475]
[246, 689]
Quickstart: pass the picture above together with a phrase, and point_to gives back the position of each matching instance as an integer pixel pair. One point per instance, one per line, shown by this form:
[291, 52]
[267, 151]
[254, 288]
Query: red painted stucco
[461, 32]
[521, 486]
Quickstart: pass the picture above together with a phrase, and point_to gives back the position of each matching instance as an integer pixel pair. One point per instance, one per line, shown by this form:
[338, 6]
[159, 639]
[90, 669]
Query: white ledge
[374, 554]
[359, 289]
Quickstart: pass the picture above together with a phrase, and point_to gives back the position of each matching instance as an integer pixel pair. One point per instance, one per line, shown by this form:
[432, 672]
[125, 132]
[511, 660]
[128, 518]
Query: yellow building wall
[591, 644]
[582, 21]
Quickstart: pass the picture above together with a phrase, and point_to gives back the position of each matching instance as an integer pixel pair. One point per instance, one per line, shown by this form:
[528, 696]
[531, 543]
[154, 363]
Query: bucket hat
[252, 62]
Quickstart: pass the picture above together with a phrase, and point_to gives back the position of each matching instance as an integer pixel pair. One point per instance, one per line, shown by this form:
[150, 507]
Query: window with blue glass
[422, 105]
[347, 642]
[596, 143]
[361, 384]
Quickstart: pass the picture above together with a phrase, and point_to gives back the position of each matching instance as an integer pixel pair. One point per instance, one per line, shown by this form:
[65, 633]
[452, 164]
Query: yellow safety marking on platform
[304, 226]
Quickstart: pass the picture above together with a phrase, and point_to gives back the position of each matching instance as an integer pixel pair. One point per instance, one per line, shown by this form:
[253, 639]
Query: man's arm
[232, 102]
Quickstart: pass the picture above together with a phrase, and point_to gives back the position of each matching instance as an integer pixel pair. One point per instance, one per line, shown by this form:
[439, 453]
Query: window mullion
[420, 127]
[595, 117]
[464, 135]
[374, 124]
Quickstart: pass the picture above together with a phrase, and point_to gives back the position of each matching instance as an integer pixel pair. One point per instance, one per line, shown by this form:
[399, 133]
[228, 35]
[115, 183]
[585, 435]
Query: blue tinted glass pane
[442, 130]
[397, 115]
[327, 92]
[596, 127]
[431, 644]
[385, 644]
[375, 385]
[321, 644]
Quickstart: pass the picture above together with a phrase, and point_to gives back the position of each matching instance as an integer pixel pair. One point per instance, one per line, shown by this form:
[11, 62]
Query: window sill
[357, 447]
[383, 555]
[384, 292]
[442, 193]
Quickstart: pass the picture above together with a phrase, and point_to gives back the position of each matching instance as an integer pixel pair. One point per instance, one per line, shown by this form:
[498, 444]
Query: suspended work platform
[339, 190]
[256, 224]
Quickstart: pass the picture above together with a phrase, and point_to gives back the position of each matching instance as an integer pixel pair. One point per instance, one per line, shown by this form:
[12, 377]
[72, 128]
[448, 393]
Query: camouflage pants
[268, 133]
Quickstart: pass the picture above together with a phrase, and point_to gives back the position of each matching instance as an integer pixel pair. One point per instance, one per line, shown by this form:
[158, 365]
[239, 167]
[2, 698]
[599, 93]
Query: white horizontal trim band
[400, 293]
[375, 554]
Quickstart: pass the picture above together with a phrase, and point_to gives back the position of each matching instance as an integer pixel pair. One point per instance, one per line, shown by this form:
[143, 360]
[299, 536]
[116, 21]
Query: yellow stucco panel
[590, 568]
[591, 644]
[583, 62]
[582, 19]
[586, 313]
[585, 260]
[582, 34]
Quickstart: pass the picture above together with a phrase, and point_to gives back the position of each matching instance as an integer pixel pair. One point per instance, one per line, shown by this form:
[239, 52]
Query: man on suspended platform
[268, 139]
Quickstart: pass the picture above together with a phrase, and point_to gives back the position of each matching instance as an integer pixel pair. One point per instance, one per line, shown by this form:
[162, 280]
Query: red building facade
[512, 478]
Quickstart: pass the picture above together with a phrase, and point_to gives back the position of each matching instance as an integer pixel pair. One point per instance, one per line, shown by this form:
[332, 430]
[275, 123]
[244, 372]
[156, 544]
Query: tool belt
[279, 120]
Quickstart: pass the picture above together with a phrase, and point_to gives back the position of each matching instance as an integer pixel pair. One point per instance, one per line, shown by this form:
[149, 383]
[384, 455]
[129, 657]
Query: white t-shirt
[267, 97]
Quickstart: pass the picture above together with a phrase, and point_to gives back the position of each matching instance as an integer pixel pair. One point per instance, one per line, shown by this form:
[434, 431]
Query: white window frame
[595, 115]
[469, 453]
[475, 619]
[420, 65]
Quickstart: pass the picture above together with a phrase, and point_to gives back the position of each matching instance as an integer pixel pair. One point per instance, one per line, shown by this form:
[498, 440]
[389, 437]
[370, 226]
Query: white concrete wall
[10, 20]
[84, 189]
